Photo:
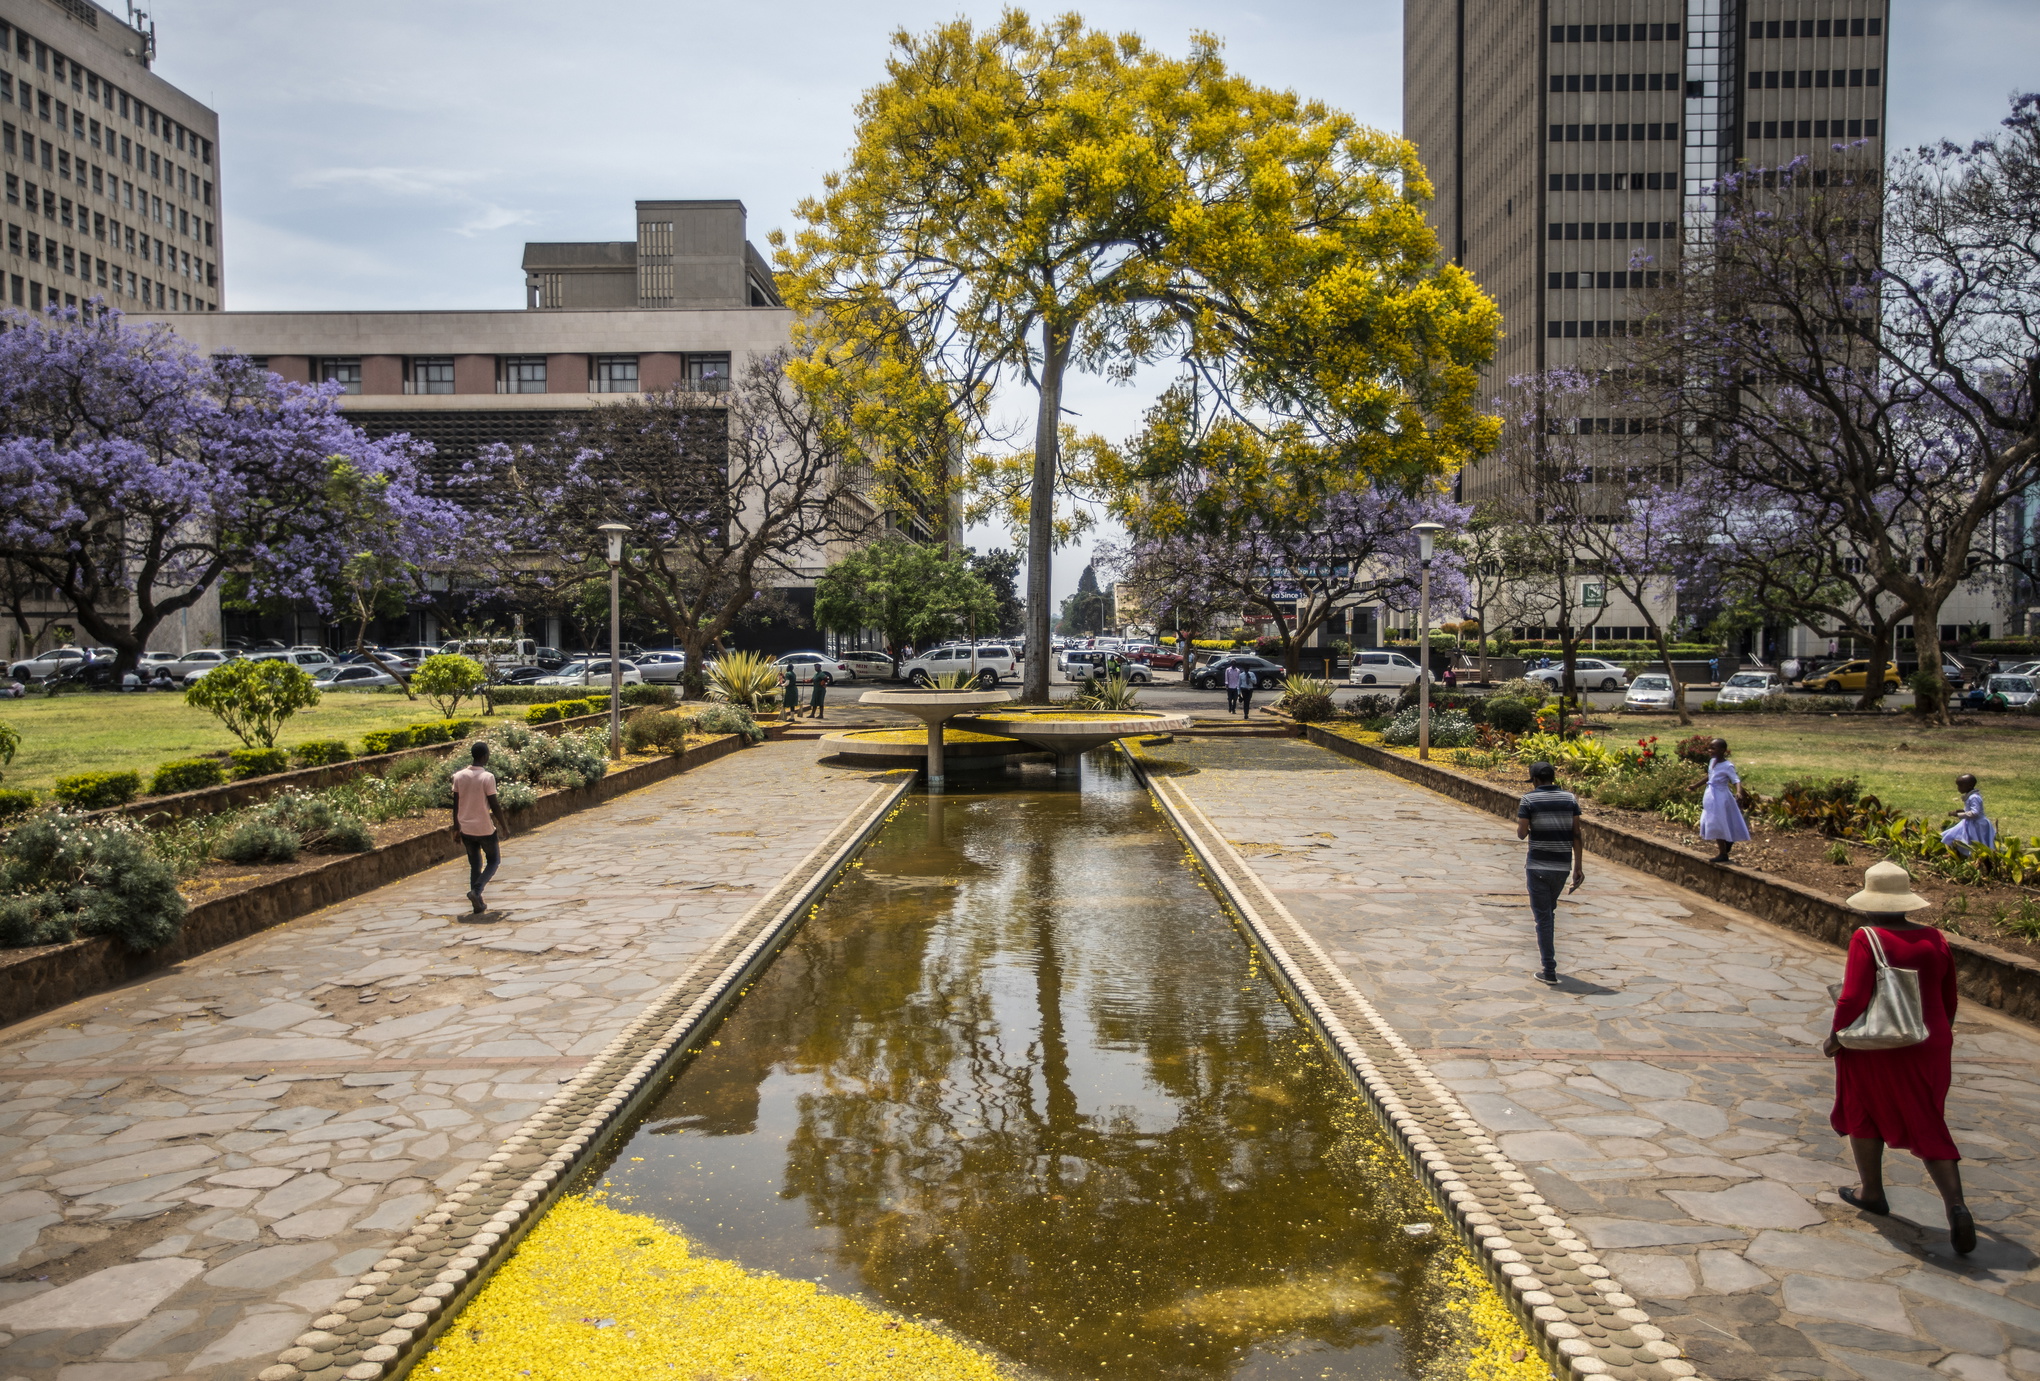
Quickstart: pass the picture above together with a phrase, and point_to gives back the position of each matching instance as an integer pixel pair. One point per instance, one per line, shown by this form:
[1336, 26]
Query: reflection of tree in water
[948, 1148]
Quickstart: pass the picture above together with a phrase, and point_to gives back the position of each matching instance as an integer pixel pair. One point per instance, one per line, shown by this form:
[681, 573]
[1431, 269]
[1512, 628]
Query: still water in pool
[1020, 1077]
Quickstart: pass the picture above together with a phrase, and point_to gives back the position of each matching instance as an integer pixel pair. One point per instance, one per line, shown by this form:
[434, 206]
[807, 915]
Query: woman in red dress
[1897, 1097]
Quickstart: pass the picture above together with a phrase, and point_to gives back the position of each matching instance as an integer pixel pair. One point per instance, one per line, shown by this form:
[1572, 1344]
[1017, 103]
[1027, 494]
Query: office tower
[112, 174]
[1571, 142]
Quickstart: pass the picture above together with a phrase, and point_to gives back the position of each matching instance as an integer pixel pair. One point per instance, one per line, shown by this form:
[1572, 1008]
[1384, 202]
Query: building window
[708, 373]
[345, 372]
[615, 374]
[523, 374]
[431, 374]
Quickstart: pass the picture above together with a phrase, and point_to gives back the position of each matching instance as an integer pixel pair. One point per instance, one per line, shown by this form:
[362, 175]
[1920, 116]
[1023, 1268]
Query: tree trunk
[361, 650]
[1927, 644]
[1881, 654]
[693, 681]
[1569, 677]
[1041, 514]
[1664, 652]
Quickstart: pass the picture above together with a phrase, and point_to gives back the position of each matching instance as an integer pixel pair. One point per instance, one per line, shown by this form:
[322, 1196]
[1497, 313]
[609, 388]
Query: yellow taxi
[1850, 676]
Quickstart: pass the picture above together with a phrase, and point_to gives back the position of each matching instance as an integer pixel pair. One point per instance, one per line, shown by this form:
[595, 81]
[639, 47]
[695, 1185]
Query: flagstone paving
[1668, 1097]
[192, 1169]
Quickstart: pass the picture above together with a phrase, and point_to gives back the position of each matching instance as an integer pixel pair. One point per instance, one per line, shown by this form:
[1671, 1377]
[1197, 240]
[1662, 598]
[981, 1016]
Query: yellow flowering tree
[1028, 198]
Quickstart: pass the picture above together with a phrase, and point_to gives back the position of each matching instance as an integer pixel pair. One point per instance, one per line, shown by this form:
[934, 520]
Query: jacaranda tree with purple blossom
[726, 496]
[135, 473]
[1868, 340]
[1221, 509]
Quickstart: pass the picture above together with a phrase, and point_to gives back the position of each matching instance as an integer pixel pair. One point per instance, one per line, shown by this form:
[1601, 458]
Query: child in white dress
[1721, 819]
[1971, 825]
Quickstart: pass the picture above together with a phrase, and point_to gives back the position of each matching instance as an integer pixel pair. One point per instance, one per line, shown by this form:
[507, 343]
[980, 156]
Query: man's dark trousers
[1247, 699]
[479, 846]
[1545, 889]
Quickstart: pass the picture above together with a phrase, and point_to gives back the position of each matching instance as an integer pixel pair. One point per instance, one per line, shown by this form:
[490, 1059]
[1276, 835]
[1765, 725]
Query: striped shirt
[1551, 813]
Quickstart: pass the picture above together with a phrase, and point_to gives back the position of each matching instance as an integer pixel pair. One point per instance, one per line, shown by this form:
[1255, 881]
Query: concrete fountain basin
[936, 708]
[1069, 734]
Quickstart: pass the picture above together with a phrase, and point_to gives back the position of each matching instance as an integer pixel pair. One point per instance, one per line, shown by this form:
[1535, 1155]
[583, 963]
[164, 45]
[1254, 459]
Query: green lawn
[106, 733]
[1908, 766]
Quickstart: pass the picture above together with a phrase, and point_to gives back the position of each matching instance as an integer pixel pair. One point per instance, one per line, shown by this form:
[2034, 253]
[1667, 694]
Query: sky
[386, 154]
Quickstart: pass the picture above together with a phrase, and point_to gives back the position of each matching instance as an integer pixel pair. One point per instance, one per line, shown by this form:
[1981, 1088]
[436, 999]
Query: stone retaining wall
[36, 981]
[1991, 976]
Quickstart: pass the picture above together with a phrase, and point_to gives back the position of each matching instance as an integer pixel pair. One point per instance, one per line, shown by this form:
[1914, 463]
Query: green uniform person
[792, 697]
[820, 695]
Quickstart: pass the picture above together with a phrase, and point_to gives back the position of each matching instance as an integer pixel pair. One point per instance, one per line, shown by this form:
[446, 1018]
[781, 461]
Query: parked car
[1851, 676]
[1954, 673]
[1747, 685]
[499, 653]
[596, 675]
[407, 658]
[2002, 692]
[1160, 658]
[1589, 673]
[204, 659]
[873, 666]
[551, 658]
[666, 668]
[523, 676]
[310, 658]
[55, 662]
[357, 677]
[1650, 691]
[1374, 667]
[992, 662]
[803, 667]
[1266, 674]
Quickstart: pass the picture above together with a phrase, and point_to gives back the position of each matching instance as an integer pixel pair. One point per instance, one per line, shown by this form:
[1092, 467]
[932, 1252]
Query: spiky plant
[743, 678]
[1112, 693]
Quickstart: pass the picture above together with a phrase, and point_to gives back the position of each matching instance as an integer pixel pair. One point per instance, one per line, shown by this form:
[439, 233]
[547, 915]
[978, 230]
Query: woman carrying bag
[1892, 1044]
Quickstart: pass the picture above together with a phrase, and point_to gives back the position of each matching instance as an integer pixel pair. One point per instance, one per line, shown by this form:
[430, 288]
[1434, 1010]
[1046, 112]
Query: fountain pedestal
[935, 708]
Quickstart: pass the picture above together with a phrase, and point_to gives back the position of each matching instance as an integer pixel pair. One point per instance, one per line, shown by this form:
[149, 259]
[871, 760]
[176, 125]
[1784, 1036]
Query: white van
[992, 662]
[1377, 668]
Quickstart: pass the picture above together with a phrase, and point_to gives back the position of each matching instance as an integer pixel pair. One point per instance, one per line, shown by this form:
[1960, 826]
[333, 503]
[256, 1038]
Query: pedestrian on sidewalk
[1721, 819]
[790, 696]
[479, 819]
[1898, 1096]
[1971, 825]
[1250, 680]
[1549, 819]
[818, 697]
[1232, 687]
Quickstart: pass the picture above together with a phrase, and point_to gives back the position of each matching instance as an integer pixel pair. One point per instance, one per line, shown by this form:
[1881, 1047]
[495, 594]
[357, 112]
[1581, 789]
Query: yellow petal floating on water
[584, 1299]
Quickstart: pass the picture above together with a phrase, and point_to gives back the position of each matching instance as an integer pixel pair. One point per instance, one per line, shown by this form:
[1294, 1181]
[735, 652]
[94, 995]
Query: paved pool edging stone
[389, 1318]
[1583, 1320]
[1990, 976]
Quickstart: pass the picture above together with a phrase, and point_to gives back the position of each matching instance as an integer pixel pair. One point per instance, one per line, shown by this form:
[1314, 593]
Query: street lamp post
[614, 532]
[1427, 534]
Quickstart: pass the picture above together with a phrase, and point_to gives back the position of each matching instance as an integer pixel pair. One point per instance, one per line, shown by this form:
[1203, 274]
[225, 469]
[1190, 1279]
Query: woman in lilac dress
[1721, 819]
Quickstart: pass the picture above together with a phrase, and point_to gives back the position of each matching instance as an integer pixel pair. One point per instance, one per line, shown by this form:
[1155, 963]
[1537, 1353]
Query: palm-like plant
[1112, 693]
[743, 678]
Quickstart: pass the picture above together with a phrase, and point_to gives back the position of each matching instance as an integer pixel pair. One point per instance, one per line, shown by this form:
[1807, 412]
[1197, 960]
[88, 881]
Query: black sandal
[1879, 1205]
[1961, 1229]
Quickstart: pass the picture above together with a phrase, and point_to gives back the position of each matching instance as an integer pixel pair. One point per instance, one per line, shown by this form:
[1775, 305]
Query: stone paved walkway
[1668, 1097]
[193, 1169]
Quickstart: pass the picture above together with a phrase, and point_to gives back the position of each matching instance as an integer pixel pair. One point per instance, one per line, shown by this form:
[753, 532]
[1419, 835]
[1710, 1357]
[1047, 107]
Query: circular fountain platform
[1069, 734]
[965, 750]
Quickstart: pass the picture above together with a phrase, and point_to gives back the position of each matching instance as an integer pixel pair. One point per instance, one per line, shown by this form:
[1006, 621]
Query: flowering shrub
[1449, 729]
[60, 878]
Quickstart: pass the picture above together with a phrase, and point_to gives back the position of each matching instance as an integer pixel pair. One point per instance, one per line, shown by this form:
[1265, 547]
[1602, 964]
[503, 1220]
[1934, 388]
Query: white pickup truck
[988, 662]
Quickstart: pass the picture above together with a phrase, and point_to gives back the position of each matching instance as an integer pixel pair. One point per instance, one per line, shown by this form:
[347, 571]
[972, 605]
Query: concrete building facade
[1571, 144]
[112, 175]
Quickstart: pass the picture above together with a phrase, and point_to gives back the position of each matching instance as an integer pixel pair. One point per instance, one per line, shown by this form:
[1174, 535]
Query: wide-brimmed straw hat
[1887, 889]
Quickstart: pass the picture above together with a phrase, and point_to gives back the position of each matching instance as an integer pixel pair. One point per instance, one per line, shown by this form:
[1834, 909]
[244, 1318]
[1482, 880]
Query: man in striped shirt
[1548, 818]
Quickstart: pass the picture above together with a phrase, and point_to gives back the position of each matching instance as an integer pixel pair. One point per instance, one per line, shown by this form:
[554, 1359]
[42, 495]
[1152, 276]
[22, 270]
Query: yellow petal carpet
[595, 1294]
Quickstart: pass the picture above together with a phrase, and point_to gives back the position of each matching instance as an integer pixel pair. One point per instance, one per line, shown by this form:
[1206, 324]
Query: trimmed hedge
[542, 714]
[186, 774]
[14, 801]
[385, 740]
[423, 734]
[257, 762]
[96, 790]
[648, 694]
[320, 752]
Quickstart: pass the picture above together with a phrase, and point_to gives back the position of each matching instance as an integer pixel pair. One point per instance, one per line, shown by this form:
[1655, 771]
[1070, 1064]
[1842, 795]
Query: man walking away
[479, 817]
[1249, 679]
[1232, 688]
[1549, 819]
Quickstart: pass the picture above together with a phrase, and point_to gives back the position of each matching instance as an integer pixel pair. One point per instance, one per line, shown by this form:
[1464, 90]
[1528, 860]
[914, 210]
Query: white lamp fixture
[614, 533]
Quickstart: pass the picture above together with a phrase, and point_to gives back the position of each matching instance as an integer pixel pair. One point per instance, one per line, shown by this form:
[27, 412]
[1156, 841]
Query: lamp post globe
[613, 535]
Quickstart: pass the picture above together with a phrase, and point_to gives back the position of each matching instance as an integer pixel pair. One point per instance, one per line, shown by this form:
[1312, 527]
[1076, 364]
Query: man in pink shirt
[479, 818]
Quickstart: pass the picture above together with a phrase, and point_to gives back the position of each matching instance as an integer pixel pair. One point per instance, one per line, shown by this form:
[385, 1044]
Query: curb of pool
[389, 1318]
[1583, 1320]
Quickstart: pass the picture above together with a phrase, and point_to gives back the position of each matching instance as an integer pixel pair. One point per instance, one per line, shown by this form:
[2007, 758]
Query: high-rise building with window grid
[112, 175]
[1572, 142]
